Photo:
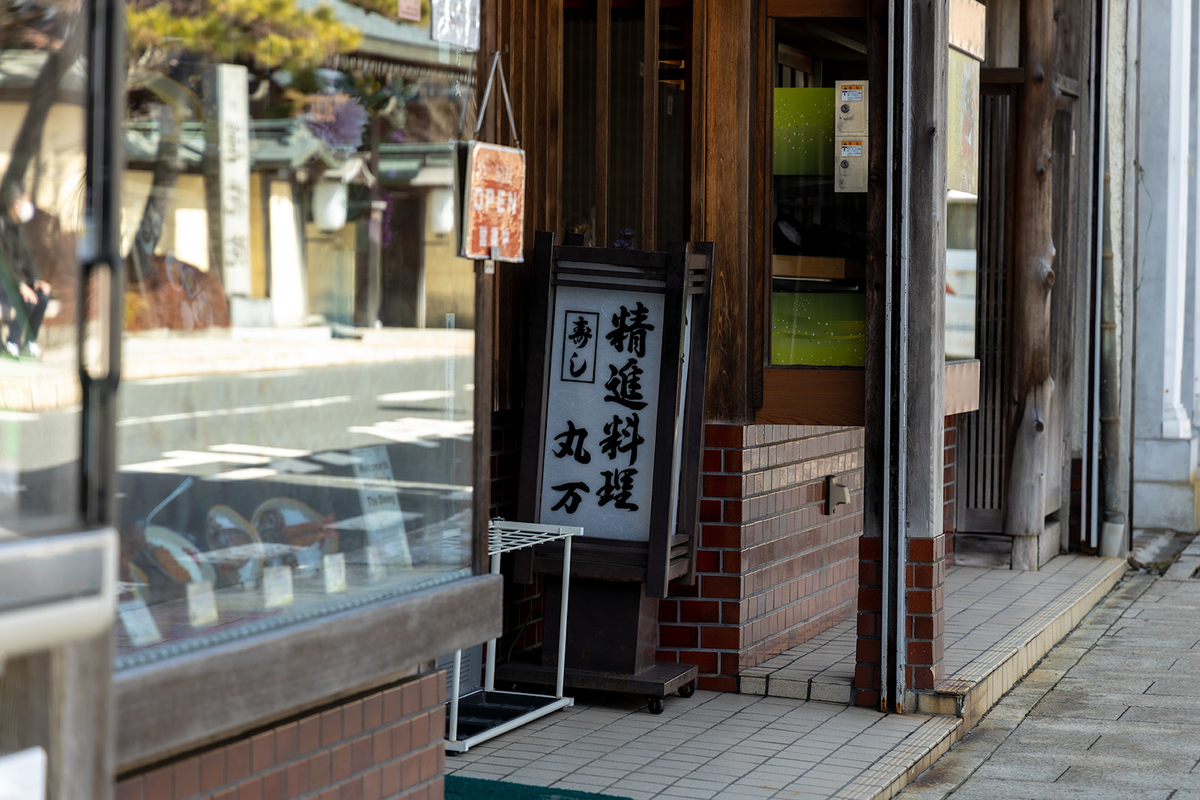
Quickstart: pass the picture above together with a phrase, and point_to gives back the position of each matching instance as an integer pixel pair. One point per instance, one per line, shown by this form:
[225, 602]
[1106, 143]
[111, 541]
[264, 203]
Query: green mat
[474, 789]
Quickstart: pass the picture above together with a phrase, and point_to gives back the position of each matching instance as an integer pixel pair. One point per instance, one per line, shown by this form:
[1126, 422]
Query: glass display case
[296, 411]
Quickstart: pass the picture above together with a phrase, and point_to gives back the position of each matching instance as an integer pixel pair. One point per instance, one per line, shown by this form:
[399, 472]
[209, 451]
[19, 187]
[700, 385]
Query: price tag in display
[375, 568]
[335, 573]
[138, 622]
[277, 586]
[202, 604]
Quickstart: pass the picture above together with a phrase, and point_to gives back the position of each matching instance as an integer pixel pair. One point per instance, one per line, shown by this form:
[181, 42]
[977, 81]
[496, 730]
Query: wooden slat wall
[649, 238]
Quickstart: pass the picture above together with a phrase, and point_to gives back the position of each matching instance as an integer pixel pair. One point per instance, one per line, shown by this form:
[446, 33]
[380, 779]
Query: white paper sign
[23, 775]
[852, 94]
[382, 516]
[851, 149]
[456, 22]
[138, 622]
[335, 573]
[601, 411]
[277, 586]
[375, 568]
[202, 604]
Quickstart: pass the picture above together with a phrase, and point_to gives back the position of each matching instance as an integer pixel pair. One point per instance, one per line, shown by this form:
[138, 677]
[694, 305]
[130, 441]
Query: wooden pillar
[1030, 387]
[728, 92]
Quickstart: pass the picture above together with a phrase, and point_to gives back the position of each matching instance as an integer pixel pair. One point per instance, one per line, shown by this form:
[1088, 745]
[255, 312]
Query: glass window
[43, 138]
[818, 228]
[295, 420]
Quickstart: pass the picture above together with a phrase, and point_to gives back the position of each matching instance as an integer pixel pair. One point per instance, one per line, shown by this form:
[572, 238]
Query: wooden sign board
[493, 203]
[614, 405]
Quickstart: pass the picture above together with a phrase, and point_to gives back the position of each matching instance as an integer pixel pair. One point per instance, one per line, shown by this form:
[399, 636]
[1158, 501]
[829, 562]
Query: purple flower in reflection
[338, 120]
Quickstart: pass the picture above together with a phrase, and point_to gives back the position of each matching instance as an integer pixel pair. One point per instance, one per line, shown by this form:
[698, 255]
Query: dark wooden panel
[481, 455]
[728, 96]
[649, 238]
[552, 149]
[603, 121]
[696, 86]
[802, 396]
[817, 8]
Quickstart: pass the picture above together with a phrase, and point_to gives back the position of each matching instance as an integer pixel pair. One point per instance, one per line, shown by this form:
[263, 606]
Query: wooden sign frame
[683, 275]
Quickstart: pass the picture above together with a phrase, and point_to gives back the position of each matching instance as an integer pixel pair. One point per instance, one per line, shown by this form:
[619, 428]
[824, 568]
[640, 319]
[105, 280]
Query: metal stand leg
[562, 617]
[489, 672]
[454, 696]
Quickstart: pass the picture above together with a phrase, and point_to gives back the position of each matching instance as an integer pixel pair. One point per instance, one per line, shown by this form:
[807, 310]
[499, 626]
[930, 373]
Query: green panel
[818, 329]
[804, 122]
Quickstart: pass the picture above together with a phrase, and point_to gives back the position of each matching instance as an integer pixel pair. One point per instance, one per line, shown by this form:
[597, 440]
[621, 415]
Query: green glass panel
[803, 132]
[818, 329]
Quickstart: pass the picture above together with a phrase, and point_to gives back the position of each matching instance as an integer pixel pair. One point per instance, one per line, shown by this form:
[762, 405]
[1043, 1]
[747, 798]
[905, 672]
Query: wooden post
[1030, 387]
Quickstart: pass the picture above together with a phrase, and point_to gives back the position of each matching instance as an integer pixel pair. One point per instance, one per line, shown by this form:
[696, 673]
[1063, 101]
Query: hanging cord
[497, 67]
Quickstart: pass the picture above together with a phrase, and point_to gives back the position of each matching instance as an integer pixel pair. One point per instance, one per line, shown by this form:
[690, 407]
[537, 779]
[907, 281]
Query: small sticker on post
[202, 604]
[138, 622]
[852, 94]
[852, 150]
[335, 573]
[277, 586]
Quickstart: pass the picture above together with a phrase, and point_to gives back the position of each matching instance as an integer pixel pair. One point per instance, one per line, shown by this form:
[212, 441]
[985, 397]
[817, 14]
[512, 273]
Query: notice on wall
[382, 517]
[601, 411]
[227, 173]
[456, 22]
[409, 10]
[494, 204]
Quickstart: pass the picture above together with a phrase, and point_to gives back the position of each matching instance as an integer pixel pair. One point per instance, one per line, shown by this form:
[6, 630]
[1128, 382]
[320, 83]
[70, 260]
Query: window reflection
[296, 410]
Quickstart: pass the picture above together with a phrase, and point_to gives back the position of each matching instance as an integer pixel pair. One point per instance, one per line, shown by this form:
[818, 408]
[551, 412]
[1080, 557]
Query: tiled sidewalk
[989, 612]
[715, 745]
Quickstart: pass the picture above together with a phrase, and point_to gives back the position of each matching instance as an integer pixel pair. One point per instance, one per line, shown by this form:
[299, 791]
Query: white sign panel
[601, 411]
[456, 22]
[23, 775]
[381, 517]
[229, 167]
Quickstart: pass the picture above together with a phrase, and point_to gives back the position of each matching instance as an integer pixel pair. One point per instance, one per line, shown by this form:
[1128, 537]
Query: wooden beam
[811, 396]
[1006, 75]
[603, 118]
[1031, 279]
[696, 78]
[728, 93]
[554, 103]
[649, 239]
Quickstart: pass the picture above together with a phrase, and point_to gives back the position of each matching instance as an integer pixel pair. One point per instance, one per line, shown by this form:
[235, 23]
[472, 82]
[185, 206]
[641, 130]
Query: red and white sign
[409, 9]
[494, 203]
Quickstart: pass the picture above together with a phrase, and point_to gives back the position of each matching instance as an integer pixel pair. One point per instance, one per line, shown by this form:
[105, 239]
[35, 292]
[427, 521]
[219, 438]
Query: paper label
[277, 586]
[375, 568]
[852, 94]
[409, 10]
[202, 604]
[851, 149]
[138, 622]
[335, 573]
[382, 515]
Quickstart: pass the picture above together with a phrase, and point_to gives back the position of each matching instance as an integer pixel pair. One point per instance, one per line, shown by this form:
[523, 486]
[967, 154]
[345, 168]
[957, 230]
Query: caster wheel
[654, 705]
[688, 689]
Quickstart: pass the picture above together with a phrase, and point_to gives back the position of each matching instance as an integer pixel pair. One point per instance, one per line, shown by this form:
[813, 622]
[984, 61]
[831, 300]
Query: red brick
[870, 598]
[419, 730]
[331, 728]
[731, 612]
[867, 650]
[351, 790]
[679, 636]
[920, 652]
[411, 692]
[870, 548]
[287, 743]
[227, 794]
[390, 780]
[410, 771]
[720, 536]
[712, 461]
[212, 770]
[381, 746]
[262, 752]
[668, 611]
[722, 436]
[719, 638]
[310, 734]
[708, 561]
[923, 678]
[340, 763]
[729, 664]
[296, 779]
[721, 586]
[401, 739]
[733, 511]
[318, 770]
[372, 712]
[330, 794]
[362, 754]
[706, 661]
[429, 689]
[722, 486]
[429, 763]
[372, 785]
[393, 704]
[866, 676]
[186, 779]
[352, 719]
[273, 786]
[867, 698]
[710, 511]
[733, 460]
[717, 683]
[732, 562]
[920, 601]
[250, 790]
[699, 610]
[157, 784]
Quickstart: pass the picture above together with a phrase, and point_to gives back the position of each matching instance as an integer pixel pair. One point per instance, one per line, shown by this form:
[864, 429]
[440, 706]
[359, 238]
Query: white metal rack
[513, 709]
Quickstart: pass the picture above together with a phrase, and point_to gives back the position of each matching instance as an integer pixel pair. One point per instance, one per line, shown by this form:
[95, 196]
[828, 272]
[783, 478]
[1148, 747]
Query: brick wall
[772, 569]
[387, 744]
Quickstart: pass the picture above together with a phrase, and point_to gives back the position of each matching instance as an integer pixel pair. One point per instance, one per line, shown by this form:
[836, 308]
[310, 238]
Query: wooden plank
[762, 186]
[696, 78]
[649, 236]
[481, 455]
[816, 8]
[693, 416]
[603, 120]
[728, 95]
[554, 101]
[537, 361]
[804, 396]
[1005, 75]
[669, 388]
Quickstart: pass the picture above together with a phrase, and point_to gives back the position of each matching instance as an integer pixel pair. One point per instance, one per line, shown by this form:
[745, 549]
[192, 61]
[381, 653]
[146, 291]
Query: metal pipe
[454, 696]
[489, 670]
[1105, 393]
[562, 617]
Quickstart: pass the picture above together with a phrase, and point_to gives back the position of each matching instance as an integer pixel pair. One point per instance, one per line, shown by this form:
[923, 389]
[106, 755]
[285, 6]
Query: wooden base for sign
[654, 682]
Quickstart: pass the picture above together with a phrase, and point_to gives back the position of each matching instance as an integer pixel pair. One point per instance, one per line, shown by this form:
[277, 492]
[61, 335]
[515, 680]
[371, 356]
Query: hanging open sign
[493, 203]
